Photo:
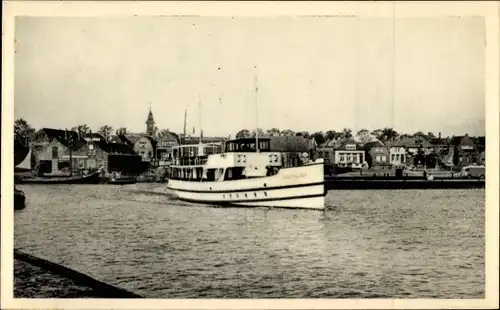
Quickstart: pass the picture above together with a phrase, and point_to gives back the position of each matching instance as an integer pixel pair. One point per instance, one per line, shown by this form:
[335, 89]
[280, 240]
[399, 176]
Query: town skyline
[420, 75]
[23, 126]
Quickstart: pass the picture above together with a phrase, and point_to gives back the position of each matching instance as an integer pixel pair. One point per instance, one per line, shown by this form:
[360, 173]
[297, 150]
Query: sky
[313, 74]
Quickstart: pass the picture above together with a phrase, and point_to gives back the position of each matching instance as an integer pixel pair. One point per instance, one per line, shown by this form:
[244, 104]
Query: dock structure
[38, 278]
[392, 182]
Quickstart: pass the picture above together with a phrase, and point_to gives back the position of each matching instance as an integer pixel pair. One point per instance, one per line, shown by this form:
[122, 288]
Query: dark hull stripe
[256, 189]
[219, 202]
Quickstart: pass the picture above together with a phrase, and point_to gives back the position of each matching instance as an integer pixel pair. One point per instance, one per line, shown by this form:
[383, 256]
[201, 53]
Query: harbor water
[367, 244]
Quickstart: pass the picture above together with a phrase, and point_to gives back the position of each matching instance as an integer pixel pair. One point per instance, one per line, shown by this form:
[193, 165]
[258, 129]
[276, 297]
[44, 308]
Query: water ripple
[367, 244]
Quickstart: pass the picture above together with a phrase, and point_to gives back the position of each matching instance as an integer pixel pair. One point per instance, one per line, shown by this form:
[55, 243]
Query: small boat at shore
[22, 165]
[247, 174]
[92, 178]
[19, 199]
[120, 180]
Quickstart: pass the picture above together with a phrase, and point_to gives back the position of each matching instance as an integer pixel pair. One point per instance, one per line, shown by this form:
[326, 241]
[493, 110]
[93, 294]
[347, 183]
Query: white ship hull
[298, 187]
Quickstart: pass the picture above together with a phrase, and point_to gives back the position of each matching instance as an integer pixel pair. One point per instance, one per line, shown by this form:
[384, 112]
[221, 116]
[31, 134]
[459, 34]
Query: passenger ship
[245, 172]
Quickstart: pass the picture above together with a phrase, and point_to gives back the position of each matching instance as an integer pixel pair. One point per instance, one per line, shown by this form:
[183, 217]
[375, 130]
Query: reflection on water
[368, 244]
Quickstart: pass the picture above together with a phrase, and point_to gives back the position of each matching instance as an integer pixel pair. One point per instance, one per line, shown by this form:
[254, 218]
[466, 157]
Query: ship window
[246, 195]
[255, 194]
[234, 173]
[265, 194]
[210, 175]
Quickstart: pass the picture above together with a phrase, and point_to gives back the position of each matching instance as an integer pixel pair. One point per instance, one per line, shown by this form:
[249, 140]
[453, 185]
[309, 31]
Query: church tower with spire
[150, 123]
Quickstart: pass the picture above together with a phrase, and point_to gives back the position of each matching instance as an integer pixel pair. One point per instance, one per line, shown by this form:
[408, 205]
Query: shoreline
[38, 278]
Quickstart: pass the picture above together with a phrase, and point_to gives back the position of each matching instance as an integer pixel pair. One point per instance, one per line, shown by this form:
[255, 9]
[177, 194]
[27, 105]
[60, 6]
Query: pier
[392, 182]
[37, 277]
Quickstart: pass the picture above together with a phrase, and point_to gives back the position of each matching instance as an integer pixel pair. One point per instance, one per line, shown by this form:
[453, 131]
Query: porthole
[237, 196]
[246, 195]
[265, 185]
[265, 194]
[223, 195]
[230, 196]
[255, 194]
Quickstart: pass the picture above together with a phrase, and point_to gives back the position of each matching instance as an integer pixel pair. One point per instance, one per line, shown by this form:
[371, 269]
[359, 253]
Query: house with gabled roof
[377, 153]
[164, 148]
[349, 154]
[397, 154]
[52, 147]
[413, 144]
[466, 144]
[108, 156]
[146, 148]
[327, 150]
[119, 138]
[467, 152]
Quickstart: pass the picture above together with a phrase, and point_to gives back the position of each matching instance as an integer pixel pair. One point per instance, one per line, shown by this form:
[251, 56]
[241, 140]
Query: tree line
[364, 135]
[24, 132]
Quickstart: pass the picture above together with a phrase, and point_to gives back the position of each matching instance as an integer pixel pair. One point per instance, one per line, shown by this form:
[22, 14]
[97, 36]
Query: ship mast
[199, 116]
[70, 147]
[184, 134]
[256, 112]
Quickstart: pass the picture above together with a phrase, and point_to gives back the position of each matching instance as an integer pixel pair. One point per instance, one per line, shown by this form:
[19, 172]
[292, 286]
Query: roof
[151, 139]
[437, 141]
[333, 143]
[289, 144]
[466, 140]
[121, 139]
[349, 141]
[64, 137]
[133, 137]
[169, 136]
[119, 148]
[196, 140]
[93, 135]
[248, 140]
[410, 142]
[372, 144]
[150, 117]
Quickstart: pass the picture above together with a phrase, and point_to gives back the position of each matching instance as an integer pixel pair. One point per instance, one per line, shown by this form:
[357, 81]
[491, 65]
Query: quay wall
[365, 183]
[96, 288]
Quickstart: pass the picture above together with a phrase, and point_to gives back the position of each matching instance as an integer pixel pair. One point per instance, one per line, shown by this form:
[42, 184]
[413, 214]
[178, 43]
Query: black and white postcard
[250, 155]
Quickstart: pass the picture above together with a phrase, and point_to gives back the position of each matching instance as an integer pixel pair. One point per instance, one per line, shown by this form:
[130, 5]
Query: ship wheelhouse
[234, 160]
[248, 145]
